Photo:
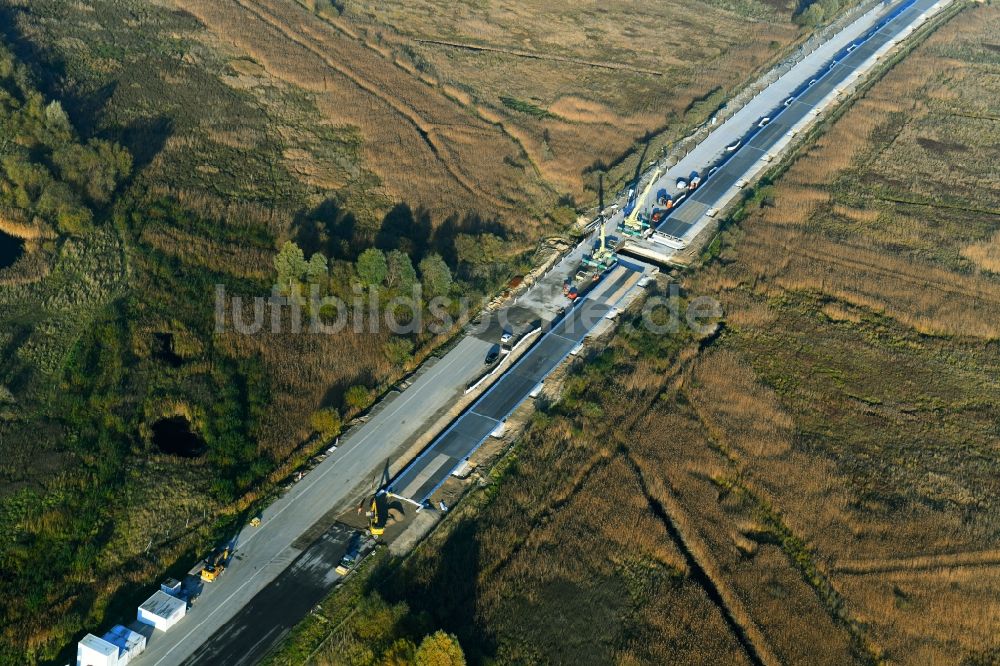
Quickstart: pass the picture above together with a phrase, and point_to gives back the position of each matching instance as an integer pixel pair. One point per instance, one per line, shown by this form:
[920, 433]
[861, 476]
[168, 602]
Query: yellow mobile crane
[602, 257]
[633, 224]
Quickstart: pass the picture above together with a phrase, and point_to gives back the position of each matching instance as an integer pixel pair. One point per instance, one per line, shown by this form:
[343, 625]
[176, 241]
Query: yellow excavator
[215, 565]
[378, 513]
[376, 505]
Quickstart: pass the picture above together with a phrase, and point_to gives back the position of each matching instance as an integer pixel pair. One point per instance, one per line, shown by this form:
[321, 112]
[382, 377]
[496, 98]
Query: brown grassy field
[496, 108]
[818, 483]
[578, 85]
[854, 295]
[425, 149]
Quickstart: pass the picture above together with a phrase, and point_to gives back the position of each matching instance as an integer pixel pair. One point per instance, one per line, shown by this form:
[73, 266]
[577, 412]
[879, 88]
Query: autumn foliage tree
[439, 649]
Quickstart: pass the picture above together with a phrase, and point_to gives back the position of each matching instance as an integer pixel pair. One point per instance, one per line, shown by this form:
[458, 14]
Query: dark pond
[11, 248]
[173, 435]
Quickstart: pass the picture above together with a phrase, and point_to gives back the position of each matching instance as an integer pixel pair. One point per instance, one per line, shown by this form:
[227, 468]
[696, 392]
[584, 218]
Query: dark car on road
[492, 355]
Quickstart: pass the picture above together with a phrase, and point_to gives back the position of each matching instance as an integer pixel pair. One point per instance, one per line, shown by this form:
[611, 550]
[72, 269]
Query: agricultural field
[816, 481]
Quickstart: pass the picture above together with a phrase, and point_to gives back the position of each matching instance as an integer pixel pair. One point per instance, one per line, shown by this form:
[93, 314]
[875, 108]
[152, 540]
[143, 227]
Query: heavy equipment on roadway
[215, 565]
[378, 513]
[602, 257]
[634, 223]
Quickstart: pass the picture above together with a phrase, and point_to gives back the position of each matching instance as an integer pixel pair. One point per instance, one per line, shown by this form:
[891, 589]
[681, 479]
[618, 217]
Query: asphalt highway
[258, 626]
[463, 437]
[809, 94]
[293, 522]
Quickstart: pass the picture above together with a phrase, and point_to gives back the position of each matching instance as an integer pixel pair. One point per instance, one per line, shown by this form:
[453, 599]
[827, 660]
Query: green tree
[400, 273]
[439, 649]
[400, 653]
[57, 122]
[399, 351]
[73, 220]
[325, 421]
[356, 397]
[435, 275]
[812, 16]
[372, 267]
[290, 263]
[317, 268]
[480, 254]
[94, 170]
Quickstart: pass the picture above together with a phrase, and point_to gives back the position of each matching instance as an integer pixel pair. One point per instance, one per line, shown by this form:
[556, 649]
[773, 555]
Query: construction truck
[634, 223]
[215, 565]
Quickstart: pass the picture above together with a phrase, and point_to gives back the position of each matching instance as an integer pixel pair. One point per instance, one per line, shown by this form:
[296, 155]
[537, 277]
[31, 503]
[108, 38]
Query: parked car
[506, 338]
[492, 355]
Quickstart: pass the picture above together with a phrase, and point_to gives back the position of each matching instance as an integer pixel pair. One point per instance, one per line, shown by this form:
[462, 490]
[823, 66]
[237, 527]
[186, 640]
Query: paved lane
[419, 481]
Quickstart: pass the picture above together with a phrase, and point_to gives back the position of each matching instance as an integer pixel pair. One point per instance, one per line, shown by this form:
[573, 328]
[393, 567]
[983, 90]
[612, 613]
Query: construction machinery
[376, 504]
[634, 223]
[602, 257]
[378, 513]
[215, 565]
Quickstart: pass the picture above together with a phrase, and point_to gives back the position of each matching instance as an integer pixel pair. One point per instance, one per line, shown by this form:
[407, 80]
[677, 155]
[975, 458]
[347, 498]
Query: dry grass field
[496, 108]
[425, 149]
[818, 484]
[578, 84]
[860, 292]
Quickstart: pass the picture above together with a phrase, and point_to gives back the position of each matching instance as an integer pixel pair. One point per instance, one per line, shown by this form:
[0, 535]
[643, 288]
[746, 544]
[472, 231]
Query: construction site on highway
[428, 441]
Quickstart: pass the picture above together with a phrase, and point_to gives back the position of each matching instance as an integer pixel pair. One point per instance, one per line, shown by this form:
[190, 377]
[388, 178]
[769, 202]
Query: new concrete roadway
[789, 104]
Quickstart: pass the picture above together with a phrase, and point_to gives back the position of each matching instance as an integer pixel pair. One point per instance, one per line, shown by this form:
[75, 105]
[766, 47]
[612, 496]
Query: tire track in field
[923, 281]
[424, 128]
[703, 569]
[919, 563]
[540, 56]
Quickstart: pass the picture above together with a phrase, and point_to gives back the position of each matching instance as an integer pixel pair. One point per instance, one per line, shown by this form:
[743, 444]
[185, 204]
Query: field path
[980, 558]
[312, 42]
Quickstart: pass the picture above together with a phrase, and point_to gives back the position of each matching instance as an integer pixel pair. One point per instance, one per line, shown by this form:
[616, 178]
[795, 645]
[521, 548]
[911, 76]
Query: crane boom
[632, 221]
